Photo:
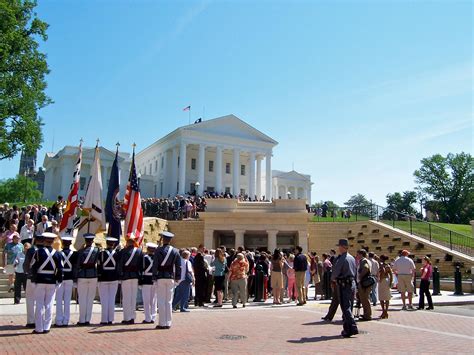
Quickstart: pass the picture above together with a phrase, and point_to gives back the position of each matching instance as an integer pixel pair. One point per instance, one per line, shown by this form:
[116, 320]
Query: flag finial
[118, 145]
[81, 141]
[134, 145]
[97, 143]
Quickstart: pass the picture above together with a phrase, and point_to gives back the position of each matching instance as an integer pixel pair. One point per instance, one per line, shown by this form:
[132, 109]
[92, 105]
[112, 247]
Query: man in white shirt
[27, 231]
[405, 270]
[43, 226]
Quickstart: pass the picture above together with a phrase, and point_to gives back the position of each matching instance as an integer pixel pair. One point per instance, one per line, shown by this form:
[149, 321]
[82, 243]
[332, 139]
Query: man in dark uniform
[343, 275]
[130, 269]
[47, 271]
[167, 272]
[64, 290]
[107, 265]
[30, 283]
[86, 276]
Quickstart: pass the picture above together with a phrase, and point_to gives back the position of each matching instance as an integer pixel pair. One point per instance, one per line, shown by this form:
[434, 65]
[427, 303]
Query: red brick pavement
[266, 329]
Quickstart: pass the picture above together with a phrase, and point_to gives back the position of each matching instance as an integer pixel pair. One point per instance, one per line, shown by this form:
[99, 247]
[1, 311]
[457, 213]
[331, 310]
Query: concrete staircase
[4, 286]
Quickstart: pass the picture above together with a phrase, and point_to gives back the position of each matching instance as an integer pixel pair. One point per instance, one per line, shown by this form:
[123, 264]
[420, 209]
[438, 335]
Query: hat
[89, 236]
[167, 234]
[66, 238]
[151, 245]
[111, 239]
[48, 235]
[405, 252]
[343, 243]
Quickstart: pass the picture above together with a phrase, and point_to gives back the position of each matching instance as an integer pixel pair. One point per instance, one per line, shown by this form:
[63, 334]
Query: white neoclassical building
[224, 154]
[59, 168]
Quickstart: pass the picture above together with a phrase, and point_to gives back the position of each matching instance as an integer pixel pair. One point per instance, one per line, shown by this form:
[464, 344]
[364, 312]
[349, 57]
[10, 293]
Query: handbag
[367, 281]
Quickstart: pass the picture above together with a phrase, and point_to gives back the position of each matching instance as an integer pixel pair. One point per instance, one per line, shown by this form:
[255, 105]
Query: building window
[227, 168]
[242, 170]
[156, 166]
[162, 162]
[211, 166]
[227, 190]
[193, 165]
[150, 169]
[161, 188]
[210, 189]
[82, 182]
[242, 192]
[178, 161]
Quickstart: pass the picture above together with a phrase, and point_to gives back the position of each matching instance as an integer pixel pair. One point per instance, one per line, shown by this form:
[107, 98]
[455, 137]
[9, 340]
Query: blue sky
[355, 92]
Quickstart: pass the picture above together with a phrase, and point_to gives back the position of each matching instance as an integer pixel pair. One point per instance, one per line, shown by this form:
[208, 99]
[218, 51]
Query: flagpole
[189, 115]
[89, 215]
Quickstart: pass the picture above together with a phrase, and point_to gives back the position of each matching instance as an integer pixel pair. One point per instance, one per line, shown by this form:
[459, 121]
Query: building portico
[222, 155]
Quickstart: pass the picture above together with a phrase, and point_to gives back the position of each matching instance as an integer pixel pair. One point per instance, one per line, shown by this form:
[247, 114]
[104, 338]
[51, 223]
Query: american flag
[133, 207]
[67, 223]
[187, 108]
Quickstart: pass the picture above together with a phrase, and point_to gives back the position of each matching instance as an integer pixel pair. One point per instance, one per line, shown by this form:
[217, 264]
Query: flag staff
[89, 215]
[189, 115]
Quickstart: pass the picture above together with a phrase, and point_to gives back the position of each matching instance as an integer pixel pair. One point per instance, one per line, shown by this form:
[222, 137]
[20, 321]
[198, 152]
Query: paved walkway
[255, 329]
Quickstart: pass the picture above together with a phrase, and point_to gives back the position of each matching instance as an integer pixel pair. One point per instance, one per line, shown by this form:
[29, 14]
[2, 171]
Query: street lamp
[288, 195]
[197, 184]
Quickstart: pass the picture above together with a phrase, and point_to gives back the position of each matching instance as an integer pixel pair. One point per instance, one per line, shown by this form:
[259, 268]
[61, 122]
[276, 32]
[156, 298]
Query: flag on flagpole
[93, 199]
[67, 223]
[133, 206]
[113, 210]
[187, 108]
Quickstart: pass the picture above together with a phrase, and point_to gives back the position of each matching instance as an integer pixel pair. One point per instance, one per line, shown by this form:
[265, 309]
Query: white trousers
[149, 302]
[63, 302]
[44, 296]
[129, 298]
[107, 292]
[30, 301]
[164, 295]
[86, 293]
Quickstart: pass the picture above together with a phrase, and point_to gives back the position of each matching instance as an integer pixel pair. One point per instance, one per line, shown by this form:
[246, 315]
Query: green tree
[19, 189]
[22, 78]
[357, 201]
[402, 202]
[450, 181]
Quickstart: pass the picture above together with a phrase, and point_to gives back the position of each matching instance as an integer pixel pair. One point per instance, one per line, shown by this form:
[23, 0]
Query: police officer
[166, 271]
[30, 283]
[107, 265]
[148, 287]
[129, 270]
[64, 290]
[343, 275]
[47, 271]
[86, 276]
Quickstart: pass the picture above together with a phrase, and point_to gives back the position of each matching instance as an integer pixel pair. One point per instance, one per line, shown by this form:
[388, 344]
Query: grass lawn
[27, 203]
[340, 219]
[460, 228]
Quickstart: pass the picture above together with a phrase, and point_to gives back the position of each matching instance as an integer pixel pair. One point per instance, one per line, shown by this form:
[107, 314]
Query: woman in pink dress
[290, 273]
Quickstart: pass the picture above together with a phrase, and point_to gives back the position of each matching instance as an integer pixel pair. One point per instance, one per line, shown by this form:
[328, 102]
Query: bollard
[436, 286]
[259, 280]
[458, 282]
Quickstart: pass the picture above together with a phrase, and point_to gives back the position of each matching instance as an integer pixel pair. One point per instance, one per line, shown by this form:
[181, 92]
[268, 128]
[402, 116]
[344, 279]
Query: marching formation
[52, 275]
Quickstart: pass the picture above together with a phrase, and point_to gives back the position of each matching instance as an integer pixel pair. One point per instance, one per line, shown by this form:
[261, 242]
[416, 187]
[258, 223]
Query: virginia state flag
[113, 210]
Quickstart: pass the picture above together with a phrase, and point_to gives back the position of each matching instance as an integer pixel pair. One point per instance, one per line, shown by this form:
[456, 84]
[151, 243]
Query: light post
[196, 188]
[288, 195]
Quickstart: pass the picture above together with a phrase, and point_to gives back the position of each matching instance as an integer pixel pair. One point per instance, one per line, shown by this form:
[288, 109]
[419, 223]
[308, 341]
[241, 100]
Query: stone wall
[187, 233]
[382, 239]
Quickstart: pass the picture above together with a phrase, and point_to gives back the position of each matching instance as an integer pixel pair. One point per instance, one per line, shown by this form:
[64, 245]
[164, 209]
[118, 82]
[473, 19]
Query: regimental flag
[113, 210]
[67, 223]
[187, 108]
[93, 217]
[132, 206]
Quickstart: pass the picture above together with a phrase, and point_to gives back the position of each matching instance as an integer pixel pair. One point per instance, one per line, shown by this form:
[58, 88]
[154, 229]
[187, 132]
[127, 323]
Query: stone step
[6, 294]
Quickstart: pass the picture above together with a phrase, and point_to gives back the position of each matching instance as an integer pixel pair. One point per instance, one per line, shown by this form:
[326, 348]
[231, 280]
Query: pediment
[229, 126]
[292, 175]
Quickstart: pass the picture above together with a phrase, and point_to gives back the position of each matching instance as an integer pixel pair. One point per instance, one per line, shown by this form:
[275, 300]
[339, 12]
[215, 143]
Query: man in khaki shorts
[405, 269]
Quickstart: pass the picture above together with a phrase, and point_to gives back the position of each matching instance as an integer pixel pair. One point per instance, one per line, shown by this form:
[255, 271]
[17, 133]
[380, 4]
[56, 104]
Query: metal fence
[409, 223]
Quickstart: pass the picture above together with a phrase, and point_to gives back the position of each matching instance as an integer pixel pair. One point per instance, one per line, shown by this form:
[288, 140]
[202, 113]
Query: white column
[272, 240]
[303, 240]
[252, 176]
[308, 195]
[239, 238]
[182, 168]
[219, 169]
[268, 176]
[209, 238]
[259, 176]
[201, 166]
[236, 173]
[174, 171]
[166, 174]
